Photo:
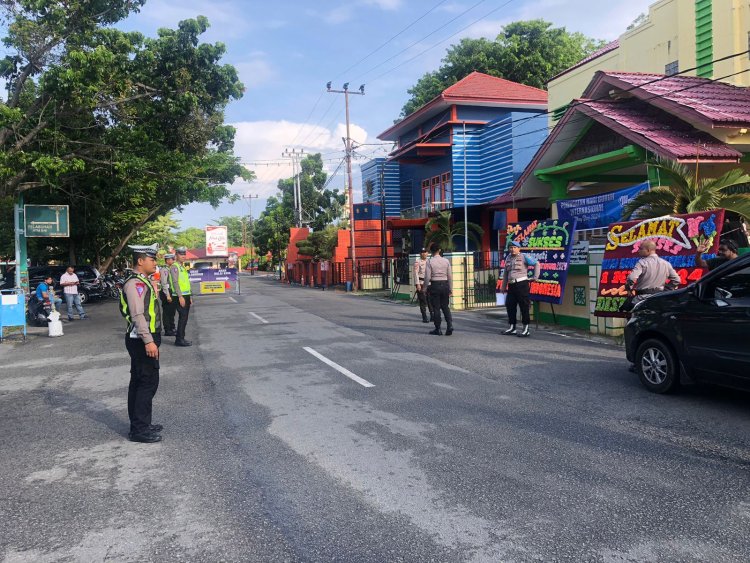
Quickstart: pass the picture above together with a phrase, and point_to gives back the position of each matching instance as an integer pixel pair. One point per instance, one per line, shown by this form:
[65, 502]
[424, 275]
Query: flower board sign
[677, 237]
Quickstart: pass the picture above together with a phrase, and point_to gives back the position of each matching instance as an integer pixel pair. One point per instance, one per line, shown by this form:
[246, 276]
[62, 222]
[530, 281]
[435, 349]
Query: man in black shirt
[727, 251]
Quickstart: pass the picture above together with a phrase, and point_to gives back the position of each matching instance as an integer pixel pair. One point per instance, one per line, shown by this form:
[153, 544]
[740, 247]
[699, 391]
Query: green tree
[161, 231]
[528, 52]
[686, 194]
[441, 230]
[320, 245]
[271, 230]
[192, 237]
[120, 127]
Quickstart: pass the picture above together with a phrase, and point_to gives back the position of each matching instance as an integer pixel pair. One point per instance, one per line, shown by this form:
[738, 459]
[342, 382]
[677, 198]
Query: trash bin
[348, 286]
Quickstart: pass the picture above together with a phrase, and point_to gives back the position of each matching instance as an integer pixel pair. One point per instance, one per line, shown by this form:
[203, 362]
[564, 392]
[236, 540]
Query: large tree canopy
[528, 52]
[120, 127]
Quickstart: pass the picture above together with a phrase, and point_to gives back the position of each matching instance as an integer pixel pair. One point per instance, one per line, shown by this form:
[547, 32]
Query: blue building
[380, 179]
[465, 147]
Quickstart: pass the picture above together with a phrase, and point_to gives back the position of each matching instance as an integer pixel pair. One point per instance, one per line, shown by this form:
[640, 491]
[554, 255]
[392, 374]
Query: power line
[412, 24]
[433, 32]
[440, 42]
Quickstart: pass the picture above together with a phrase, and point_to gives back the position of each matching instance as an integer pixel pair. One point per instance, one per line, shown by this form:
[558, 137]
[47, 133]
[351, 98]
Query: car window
[734, 286]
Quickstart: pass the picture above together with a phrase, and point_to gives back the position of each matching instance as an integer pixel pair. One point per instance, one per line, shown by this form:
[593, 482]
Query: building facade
[462, 149]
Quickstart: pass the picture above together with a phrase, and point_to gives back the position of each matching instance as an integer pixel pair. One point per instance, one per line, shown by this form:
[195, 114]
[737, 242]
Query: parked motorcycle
[37, 312]
[114, 285]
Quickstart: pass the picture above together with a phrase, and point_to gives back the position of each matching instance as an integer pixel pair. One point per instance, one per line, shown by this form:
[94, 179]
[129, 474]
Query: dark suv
[701, 332]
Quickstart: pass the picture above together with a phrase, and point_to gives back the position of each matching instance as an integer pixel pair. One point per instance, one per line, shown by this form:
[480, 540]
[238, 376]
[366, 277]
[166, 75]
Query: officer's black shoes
[436, 332]
[170, 333]
[145, 437]
[425, 320]
[449, 331]
[155, 428]
[511, 330]
[183, 343]
[525, 331]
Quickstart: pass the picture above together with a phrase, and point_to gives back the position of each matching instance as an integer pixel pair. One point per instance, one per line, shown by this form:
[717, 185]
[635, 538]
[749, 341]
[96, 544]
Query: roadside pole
[22, 269]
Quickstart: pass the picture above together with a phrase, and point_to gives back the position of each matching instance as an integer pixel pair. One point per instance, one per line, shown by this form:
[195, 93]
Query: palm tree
[686, 194]
[441, 231]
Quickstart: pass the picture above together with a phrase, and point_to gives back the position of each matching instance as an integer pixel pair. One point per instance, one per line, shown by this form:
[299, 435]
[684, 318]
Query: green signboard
[46, 221]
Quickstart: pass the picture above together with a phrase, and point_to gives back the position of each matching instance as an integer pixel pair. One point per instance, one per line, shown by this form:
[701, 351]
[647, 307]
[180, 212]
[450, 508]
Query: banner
[213, 275]
[549, 243]
[598, 211]
[212, 287]
[676, 238]
[216, 241]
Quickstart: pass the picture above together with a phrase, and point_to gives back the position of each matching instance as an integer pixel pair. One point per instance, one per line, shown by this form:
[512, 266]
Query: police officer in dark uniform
[168, 304]
[140, 307]
[420, 287]
[179, 283]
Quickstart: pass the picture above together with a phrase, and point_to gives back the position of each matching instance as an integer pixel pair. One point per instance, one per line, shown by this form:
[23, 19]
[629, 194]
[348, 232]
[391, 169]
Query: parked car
[698, 333]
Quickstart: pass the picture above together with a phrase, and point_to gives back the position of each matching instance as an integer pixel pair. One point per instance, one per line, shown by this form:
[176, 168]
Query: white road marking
[261, 319]
[232, 299]
[340, 369]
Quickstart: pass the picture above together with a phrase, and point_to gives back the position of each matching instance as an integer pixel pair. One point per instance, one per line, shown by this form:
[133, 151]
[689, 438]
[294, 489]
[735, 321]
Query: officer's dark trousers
[183, 312]
[144, 381]
[167, 313]
[440, 298]
[518, 296]
[424, 303]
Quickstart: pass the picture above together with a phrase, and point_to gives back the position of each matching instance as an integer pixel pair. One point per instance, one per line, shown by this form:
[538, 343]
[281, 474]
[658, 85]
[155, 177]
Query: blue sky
[286, 51]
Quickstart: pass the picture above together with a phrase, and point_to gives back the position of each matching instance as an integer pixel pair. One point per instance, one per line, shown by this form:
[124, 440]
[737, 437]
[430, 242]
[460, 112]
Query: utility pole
[295, 156]
[348, 142]
[249, 199]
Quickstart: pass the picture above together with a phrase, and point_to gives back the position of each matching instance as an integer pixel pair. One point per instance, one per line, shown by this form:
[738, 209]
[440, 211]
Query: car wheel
[84, 297]
[657, 366]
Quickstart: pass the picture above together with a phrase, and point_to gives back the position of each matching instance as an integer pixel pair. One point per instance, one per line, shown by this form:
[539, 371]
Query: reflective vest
[150, 309]
[183, 280]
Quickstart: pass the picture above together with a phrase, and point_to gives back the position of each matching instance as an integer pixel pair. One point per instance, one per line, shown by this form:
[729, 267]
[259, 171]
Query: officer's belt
[649, 290]
[517, 280]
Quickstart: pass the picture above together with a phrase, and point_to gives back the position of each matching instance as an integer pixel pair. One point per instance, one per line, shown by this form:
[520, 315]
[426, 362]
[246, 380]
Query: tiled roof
[656, 130]
[720, 103]
[595, 55]
[480, 86]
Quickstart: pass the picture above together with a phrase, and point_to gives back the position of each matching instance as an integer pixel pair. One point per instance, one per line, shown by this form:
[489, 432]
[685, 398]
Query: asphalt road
[320, 426]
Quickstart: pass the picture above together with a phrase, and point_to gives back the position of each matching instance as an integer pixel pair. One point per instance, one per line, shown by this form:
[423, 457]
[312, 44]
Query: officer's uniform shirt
[137, 295]
[651, 272]
[517, 270]
[174, 279]
[438, 269]
[164, 278]
[420, 270]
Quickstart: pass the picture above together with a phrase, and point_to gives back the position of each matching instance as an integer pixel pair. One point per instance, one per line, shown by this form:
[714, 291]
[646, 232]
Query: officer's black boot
[511, 330]
[449, 330]
[525, 331]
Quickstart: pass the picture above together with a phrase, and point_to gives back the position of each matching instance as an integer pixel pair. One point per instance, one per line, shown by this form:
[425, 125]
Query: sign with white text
[46, 221]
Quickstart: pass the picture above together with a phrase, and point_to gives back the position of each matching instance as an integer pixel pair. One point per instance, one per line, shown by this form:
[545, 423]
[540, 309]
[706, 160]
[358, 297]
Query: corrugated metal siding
[704, 38]
[371, 171]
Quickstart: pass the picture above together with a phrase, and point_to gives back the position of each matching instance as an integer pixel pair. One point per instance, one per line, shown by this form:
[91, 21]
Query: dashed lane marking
[337, 367]
[261, 319]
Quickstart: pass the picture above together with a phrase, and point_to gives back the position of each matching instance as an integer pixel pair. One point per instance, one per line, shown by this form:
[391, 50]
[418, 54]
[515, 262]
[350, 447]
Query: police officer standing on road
[139, 306]
[168, 304]
[517, 286]
[651, 274]
[420, 268]
[179, 283]
[439, 280]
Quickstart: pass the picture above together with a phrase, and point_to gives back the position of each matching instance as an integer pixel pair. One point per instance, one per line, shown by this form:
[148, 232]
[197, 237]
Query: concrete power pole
[348, 142]
[249, 199]
[296, 156]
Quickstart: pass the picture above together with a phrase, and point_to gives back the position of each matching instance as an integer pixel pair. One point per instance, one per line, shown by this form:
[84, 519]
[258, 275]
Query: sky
[286, 51]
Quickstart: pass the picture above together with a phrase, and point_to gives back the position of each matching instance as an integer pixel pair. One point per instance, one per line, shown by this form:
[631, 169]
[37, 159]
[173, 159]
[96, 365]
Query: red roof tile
[719, 103]
[595, 55]
[657, 131]
[482, 86]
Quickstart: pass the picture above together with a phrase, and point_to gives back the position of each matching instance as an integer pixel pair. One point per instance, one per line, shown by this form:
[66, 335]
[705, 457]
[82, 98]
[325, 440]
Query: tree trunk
[107, 263]
[72, 251]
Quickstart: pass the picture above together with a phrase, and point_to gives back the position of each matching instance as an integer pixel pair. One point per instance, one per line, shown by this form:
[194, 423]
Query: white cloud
[258, 141]
[488, 29]
[384, 4]
[256, 70]
[224, 16]
[346, 11]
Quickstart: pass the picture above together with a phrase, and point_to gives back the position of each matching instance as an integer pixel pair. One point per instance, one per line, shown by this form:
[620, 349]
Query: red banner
[677, 238]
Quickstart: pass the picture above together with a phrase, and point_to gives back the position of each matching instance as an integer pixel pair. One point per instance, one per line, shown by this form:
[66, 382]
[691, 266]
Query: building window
[672, 68]
[426, 196]
[447, 188]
